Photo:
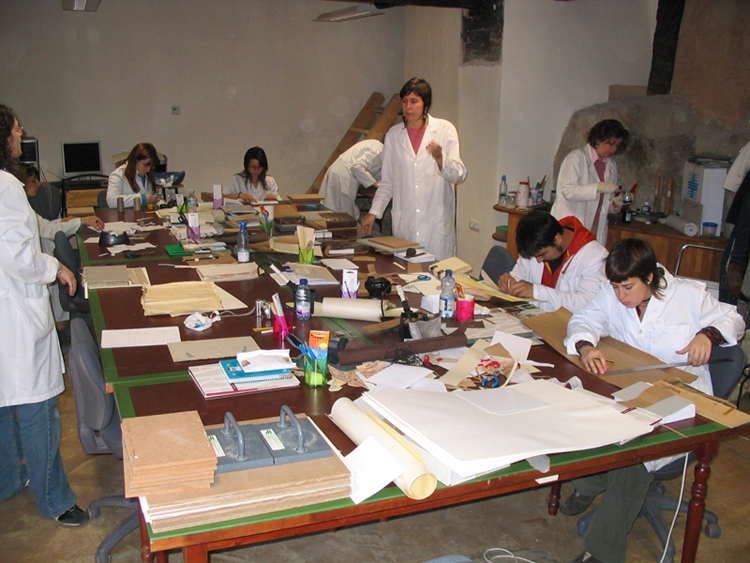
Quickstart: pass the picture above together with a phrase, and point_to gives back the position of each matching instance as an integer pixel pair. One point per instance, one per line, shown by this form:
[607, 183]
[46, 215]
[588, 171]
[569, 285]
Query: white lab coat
[47, 232]
[424, 205]
[31, 364]
[360, 165]
[579, 281]
[118, 185]
[668, 325]
[237, 185]
[576, 191]
[739, 169]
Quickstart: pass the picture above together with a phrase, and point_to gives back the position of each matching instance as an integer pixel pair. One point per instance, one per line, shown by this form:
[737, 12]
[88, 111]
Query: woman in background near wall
[135, 178]
[588, 179]
[253, 184]
[421, 164]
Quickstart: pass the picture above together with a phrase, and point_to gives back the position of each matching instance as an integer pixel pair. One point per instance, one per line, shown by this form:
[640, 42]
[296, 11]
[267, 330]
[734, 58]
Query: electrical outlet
[175, 110]
[474, 225]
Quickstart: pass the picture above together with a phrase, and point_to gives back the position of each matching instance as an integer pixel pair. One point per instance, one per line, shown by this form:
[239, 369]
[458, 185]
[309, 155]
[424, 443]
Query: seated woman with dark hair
[253, 184]
[135, 178]
[673, 319]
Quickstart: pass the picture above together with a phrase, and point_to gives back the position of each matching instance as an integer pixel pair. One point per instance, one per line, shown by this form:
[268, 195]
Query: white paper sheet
[396, 377]
[339, 264]
[131, 337]
[372, 469]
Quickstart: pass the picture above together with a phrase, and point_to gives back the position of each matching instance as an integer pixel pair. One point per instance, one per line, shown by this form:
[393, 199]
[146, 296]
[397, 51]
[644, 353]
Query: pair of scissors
[491, 381]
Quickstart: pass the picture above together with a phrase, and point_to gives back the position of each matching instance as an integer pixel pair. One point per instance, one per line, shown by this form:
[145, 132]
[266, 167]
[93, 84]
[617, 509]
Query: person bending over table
[588, 178]
[360, 165]
[31, 364]
[421, 164]
[135, 178]
[253, 184]
[673, 319]
[560, 263]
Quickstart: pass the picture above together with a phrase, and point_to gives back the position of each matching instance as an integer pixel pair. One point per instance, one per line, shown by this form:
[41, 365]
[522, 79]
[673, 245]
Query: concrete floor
[517, 522]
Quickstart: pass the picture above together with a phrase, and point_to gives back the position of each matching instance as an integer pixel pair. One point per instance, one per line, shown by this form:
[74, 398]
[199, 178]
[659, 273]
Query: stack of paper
[246, 493]
[103, 277]
[166, 453]
[467, 434]
[213, 383]
[228, 272]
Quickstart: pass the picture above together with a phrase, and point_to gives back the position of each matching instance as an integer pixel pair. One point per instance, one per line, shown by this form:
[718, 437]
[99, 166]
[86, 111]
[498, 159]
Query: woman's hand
[367, 223]
[437, 153]
[270, 197]
[94, 222]
[594, 360]
[247, 198]
[150, 198]
[68, 278]
[698, 351]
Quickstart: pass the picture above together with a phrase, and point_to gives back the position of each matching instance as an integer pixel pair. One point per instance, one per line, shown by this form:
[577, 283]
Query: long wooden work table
[147, 382]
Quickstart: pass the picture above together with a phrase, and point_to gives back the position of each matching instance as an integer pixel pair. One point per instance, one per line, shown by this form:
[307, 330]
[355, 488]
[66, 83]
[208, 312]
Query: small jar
[709, 229]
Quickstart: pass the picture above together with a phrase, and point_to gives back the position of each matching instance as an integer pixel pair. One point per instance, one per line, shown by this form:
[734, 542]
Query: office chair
[724, 377]
[101, 200]
[499, 261]
[98, 425]
[47, 202]
[78, 304]
[84, 181]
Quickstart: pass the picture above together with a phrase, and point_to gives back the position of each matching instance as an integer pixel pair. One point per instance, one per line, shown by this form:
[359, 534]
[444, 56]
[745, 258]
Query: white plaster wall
[558, 57]
[244, 73]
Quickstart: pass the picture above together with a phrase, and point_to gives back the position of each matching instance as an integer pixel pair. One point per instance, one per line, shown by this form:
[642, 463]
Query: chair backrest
[499, 261]
[101, 200]
[725, 375]
[47, 202]
[98, 421]
[70, 259]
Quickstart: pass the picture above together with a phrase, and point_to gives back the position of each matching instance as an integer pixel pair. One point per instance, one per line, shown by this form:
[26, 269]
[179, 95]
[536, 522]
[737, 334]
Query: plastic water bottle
[302, 301]
[448, 296]
[192, 203]
[503, 198]
[243, 244]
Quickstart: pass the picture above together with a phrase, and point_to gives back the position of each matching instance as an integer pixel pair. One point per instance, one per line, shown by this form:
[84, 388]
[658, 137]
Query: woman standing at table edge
[31, 364]
[588, 178]
[673, 319]
[421, 165]
[135, 178]
[253, 184]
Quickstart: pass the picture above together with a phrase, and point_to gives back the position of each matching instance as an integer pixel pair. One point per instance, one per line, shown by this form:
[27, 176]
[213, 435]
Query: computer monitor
[81, 158]
[29, 151]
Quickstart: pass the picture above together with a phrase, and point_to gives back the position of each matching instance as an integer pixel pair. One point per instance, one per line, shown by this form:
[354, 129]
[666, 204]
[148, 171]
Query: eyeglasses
[18, 129]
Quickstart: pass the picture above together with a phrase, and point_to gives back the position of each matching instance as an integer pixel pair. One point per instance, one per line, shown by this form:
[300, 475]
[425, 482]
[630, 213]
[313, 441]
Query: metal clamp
[229, 423]
[300, 434]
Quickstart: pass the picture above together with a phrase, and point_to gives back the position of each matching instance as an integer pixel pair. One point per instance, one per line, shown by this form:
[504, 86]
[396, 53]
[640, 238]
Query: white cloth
[31, 363]
[738, 170]
[579, 281]
[118, 185]
[360, 165]
[668, 325]
[424, 205]
[237, 185]
[576, 191]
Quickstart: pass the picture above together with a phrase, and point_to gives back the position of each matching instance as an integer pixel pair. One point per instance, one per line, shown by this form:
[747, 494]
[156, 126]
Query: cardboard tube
[416, 481]
[681, 225]
[352, 309]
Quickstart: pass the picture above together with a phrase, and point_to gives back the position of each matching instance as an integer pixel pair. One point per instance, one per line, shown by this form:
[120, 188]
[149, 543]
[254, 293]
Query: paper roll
[680, 224]
[352, 309]
[416, 481]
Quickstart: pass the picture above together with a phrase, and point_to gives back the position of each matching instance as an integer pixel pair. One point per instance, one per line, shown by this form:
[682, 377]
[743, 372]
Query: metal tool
[663, 366]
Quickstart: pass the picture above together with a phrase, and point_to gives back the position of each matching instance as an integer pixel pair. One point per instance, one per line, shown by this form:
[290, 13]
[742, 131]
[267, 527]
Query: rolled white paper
[352, 309]
[680, 224]
[416, 481]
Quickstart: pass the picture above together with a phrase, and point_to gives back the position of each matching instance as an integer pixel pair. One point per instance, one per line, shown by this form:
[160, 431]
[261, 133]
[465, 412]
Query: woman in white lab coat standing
[588, 179]
[421, 165]
[31, 363]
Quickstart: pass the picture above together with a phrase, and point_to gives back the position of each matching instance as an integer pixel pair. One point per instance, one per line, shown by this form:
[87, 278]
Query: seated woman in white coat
[588, 179]
[673, 319]
[560, 263]
[135, 179]
[253, 183]
[421, 164]
[358, 166]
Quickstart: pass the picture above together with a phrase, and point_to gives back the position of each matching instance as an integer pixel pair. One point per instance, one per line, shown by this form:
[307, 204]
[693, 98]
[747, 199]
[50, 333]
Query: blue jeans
[33, 432]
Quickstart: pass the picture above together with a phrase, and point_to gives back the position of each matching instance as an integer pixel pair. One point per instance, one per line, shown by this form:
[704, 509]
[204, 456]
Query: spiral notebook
[235, 374]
